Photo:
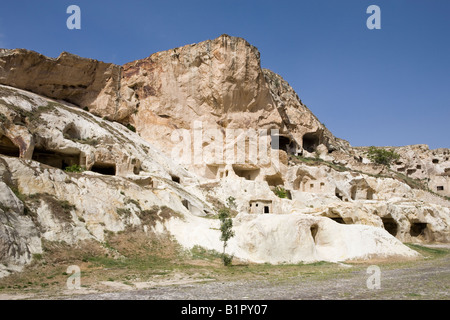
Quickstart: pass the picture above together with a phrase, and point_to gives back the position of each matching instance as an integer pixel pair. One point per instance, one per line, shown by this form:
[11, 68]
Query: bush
[280, 192]
[131, 127]
[227, 260]
[74, 168]
[226, 233]
[382, 156]
[231, 202]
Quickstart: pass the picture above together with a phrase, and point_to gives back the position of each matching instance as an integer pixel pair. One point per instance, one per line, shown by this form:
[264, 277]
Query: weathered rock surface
[81, 81]
[317, 198]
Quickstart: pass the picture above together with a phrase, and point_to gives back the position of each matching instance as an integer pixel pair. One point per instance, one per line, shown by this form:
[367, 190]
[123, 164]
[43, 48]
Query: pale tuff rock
[292, 238]
[337, 205]
[73, 207]
[419, 162]
[219, 82]
[84, 82]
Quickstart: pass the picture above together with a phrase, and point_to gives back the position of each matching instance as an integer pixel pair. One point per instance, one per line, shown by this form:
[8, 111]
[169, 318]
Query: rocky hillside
[86, 148]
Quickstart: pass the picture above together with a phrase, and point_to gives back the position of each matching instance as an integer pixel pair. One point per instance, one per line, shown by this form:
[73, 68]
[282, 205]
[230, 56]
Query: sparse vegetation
[382, 156]
[131, 127]
[431, 252]
[318, 161]
[231, 202]
[280, 192]
[75, 168]
[226, 233]
[123, 211]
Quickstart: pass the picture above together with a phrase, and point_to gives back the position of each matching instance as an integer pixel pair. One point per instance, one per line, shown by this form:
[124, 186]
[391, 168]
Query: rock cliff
[86, 148]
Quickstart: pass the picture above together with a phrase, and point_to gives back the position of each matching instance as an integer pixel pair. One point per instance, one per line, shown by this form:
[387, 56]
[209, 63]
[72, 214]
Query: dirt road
[424, 280]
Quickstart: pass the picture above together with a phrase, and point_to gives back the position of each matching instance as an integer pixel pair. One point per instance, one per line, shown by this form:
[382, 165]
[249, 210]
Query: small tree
[280, 192]
[382, 156]
[231, 202]
[226, 225]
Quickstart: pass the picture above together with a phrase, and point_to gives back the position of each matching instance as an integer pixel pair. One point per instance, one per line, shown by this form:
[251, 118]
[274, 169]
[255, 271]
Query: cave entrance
[248, 174]
[311, 141]
[281, 142]
[8, 148]
[338, 193]
[104, 168]
[390, 225]
[370, 193]
[314, 229]
[353, 192]
[274, 180]
[55, 159]
[71, 132]
[176, 179]
[418, 229]
[338, 220]
[266, 209]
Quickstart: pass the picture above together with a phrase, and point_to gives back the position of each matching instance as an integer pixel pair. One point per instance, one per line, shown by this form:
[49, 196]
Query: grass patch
[316, 162]
[123, 211]
[200, 253]
[432, 252]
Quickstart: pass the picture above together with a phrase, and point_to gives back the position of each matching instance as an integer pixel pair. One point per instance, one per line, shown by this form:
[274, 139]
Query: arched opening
[281, 142]
[246, 173]
[314, 229]
[353, 191]
[104, 168]
[8, 148]
[338, 193]
[390, 225]
[72, 132]
[418, 229]
[370, 193]
[311, 141]
[55, 159]
[338, 220]
[274, 180]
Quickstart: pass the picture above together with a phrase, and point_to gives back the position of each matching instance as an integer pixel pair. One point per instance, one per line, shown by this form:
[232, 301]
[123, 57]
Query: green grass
[200, 253]
[432, 252]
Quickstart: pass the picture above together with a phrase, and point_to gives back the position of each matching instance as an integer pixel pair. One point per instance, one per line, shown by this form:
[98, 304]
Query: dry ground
[123, 268]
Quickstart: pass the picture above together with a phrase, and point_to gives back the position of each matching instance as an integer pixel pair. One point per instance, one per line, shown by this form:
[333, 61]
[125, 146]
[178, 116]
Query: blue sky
[387, 87]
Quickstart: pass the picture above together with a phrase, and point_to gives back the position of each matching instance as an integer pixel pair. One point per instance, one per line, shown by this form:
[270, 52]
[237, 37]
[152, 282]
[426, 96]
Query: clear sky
[387, 87]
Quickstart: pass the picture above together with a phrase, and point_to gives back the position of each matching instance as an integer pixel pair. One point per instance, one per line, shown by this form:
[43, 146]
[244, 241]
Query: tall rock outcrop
[81, 81]
[219, 82]
[285, 208]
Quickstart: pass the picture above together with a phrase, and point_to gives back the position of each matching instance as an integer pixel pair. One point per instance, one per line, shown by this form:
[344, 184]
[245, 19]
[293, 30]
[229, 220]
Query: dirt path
[424, 280]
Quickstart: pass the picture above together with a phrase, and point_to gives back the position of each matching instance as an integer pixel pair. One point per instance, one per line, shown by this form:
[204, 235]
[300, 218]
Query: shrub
[280, 192]
[74, 168]
[131, 127]
[226, 233]
[231, 202]
[382, 156]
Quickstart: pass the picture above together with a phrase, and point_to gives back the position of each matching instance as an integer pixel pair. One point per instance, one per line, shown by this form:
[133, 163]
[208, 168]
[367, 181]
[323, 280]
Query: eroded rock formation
[317, 198]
